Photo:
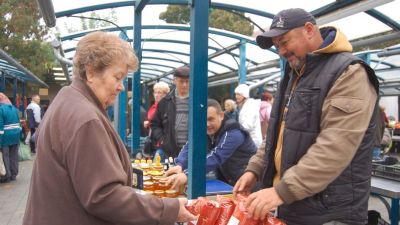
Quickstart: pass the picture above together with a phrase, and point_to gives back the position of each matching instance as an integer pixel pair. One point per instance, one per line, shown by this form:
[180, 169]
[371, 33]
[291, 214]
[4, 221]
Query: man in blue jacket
[229, 149]
[10, 132]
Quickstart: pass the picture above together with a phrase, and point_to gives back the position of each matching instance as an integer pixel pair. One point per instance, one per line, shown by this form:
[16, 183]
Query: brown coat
[82, 172]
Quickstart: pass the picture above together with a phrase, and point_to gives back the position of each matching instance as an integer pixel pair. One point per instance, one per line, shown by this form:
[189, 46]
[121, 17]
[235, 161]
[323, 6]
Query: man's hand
[259, 203]
[173, 170]
[184, 215]
[175, 180]
[245, 183]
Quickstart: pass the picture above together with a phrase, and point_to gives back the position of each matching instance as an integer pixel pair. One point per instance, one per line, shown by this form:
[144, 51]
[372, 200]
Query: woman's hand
[184, 215]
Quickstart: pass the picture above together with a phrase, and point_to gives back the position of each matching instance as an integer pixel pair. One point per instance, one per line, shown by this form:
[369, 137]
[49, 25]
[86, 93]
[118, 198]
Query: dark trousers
[32, 142]
[10, 158]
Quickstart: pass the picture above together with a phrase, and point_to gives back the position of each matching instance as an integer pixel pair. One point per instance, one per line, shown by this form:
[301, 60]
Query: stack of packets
[225, 211]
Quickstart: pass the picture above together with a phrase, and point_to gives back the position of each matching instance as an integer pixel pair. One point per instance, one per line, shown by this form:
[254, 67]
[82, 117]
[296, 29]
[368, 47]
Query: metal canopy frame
[213, 75]
[12, 69]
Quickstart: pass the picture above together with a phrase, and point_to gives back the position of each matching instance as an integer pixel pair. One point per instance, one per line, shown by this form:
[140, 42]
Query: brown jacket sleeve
[257, 162]
[346, 113]
[99, 181]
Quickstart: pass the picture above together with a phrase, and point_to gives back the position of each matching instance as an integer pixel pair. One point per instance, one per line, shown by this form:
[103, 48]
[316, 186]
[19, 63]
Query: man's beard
[298, 64]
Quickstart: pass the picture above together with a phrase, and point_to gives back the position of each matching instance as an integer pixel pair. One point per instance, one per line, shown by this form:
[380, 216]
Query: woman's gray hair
[162, 86]
[232, 103]
[99, 50]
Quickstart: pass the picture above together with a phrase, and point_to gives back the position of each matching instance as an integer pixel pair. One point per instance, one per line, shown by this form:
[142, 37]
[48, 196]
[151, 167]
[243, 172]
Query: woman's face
[158, 94]
[228, 107]
[109, 83]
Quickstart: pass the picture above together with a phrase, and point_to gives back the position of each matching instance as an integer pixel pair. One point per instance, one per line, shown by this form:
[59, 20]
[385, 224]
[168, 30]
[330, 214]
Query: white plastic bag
[2, 167]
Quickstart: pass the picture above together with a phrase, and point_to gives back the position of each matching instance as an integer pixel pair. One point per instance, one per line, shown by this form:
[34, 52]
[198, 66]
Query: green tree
[218, 18]
[22, 35]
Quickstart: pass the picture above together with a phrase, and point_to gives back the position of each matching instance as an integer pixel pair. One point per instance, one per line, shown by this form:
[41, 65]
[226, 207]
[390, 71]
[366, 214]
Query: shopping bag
[24, 153]
[2, 167]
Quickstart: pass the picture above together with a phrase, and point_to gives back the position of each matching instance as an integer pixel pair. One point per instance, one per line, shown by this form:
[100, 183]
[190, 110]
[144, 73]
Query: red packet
[209, 213]
[239, 216]
[271, 220]
[195, 206]
[227, 207]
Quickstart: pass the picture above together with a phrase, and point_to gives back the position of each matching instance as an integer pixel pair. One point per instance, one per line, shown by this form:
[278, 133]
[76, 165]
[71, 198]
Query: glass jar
[148, 186]
[159, 193]
[164, 186]
[171, 193]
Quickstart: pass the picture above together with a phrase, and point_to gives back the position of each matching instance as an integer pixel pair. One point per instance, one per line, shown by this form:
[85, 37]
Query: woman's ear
[89, 74]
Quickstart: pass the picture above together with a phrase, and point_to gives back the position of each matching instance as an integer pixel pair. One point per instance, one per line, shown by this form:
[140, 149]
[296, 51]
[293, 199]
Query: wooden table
[390, 189]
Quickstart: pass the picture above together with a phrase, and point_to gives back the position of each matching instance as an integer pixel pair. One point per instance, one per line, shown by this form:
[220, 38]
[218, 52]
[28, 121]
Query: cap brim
[265, 40]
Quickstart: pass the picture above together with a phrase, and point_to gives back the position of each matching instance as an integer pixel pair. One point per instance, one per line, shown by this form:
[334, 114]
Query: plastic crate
[389, 172]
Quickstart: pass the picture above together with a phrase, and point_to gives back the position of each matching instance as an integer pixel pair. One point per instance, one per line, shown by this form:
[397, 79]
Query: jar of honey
[171, 193]
[163, 186]
[159, 193]
[148, 186]
[156, 181]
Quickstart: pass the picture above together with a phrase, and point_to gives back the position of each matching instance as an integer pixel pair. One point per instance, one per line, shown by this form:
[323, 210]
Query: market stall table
[390, 189]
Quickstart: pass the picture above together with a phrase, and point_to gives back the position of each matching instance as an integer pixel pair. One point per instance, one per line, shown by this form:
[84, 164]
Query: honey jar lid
[148, 183]
[171, 191]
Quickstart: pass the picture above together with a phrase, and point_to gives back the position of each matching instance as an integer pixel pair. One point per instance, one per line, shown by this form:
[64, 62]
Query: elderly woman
[160, 90]
[230, 109]
[82, 173]
[10, 133]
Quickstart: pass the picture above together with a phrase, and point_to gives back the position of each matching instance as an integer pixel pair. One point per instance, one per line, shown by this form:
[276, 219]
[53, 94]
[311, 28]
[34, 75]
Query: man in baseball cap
[283, 22]
[316, 163]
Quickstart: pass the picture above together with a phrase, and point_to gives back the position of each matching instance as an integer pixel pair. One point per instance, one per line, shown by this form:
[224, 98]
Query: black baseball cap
[182, 72]
[283, 22]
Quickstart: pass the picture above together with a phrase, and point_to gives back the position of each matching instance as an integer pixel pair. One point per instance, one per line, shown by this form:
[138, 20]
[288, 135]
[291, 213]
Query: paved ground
[13, 197]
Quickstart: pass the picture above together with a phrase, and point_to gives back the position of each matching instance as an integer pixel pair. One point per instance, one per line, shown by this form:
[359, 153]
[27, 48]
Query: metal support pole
[23, 96]
[198, 97]
[3, 82]
[242, 69]
[15, 91]
[282, 63]
[121, 112]
[137, 36]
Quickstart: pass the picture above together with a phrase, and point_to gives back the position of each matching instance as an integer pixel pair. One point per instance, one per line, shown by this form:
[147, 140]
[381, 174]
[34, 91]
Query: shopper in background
[249, 112]
[169, 126]
[265, 112]
[230, 109]
[34, 116]
[82, 173]
[317, 167]
[10, 133]
[160, 90]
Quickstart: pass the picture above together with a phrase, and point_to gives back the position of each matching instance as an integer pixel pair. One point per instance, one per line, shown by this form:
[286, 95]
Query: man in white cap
[317, 158]
[249, 113]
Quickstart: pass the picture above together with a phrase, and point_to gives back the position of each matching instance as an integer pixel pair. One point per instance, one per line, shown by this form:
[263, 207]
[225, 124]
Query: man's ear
[221, 115]
[310, 29]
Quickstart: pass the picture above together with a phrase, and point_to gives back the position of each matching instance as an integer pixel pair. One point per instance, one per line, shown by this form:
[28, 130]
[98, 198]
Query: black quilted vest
[346, 198]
